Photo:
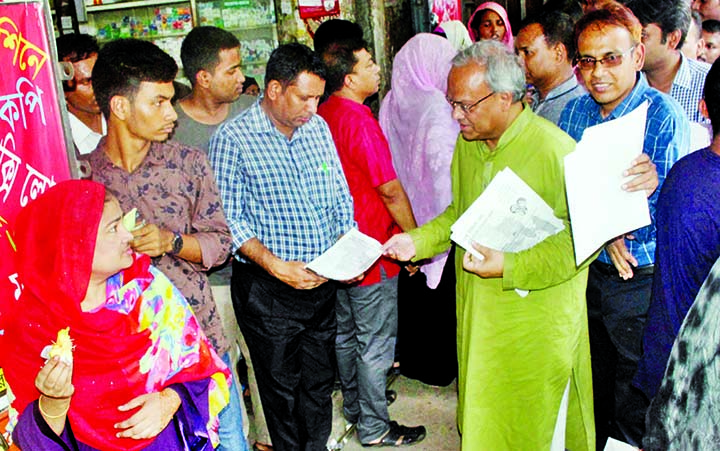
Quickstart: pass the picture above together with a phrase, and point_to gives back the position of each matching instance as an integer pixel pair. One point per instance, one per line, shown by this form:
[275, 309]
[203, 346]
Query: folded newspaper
[508, 216]
[349, 257]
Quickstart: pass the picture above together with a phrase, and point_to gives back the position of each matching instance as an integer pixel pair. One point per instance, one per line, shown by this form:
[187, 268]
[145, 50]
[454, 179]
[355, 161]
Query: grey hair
[503, 69]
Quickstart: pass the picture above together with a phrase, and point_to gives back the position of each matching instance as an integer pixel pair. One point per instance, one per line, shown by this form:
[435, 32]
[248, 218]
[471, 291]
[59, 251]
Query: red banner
[313, 9]
[446, 10]
[33, 154]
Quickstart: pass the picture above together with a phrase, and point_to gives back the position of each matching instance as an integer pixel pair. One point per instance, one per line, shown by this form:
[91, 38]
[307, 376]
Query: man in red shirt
[366, 313]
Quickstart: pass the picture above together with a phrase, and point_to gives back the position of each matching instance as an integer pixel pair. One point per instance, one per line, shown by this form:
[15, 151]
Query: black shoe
[399, 435]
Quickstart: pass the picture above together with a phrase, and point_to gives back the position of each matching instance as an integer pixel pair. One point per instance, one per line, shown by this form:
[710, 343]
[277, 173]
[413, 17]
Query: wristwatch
[177, 244]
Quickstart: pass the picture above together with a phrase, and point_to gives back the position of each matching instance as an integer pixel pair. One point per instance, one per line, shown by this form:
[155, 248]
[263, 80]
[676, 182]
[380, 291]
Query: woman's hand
[54, 382]
[55, 379]
[152, 240]
[155, 412]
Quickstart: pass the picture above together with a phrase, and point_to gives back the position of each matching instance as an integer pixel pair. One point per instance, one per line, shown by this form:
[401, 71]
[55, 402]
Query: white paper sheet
[349, 257]
[599, 208]
[508, 216]
[616, 445]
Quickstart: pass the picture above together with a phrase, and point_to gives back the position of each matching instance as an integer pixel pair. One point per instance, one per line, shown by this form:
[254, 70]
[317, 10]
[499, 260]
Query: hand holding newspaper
[508, 216]
[600, 209]
[348, 258]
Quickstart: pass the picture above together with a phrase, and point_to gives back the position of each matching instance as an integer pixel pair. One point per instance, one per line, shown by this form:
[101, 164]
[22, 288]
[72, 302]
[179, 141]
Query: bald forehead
[465, 80]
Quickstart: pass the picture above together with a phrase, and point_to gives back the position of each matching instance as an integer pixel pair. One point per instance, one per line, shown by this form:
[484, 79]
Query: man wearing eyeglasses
[610, 56]
[517, 356]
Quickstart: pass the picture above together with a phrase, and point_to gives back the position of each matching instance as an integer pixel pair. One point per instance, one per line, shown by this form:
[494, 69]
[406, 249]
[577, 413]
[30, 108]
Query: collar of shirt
[509, 135]
[260, 123]
[348, 104]
[684, 76]
[561, 89]
[155, 155]
[688, 85]
[81, 133]
[629, 103]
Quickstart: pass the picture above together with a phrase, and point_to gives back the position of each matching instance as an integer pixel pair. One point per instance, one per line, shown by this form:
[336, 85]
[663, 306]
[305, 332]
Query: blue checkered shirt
[290, 194]
[667, 139]
[687, 87]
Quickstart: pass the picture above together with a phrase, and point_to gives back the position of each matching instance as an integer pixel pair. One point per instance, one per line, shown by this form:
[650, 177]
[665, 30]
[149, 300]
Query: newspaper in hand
[508, 216]
[349, 257]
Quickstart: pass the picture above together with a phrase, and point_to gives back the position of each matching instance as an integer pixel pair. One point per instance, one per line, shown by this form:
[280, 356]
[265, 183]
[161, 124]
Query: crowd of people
[548, 353]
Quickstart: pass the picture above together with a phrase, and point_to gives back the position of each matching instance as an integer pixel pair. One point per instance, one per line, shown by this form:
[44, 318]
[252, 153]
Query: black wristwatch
[177, 244]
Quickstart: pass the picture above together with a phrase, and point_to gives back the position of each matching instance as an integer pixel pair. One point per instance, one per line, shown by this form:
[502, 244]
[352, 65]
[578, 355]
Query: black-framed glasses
[612, 60]
[464, 107]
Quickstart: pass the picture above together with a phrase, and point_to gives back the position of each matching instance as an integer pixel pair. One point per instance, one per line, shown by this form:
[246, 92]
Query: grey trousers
[365, 349]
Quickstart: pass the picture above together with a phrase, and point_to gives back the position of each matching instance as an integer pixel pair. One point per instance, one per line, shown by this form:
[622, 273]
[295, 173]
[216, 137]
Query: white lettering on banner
[33, 97]
[9, 165]
[14, 40]
[38, 184]
[18, 286]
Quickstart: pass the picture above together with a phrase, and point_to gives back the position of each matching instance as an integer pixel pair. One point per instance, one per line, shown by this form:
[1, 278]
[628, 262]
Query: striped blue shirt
[290, 194]
[667, 139]
[687, 87]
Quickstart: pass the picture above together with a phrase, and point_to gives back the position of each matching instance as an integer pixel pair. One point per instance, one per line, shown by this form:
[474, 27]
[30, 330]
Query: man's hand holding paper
[348, 259]
[603, 203]
[294, 274]
[646, 176]
[491, 265]
[507, 217]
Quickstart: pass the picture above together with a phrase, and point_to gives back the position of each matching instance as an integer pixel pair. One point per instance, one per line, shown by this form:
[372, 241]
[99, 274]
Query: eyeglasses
[464, 107]
[612, 60]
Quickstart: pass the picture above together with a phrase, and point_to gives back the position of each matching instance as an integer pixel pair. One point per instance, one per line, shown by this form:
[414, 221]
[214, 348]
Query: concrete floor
[416, 404]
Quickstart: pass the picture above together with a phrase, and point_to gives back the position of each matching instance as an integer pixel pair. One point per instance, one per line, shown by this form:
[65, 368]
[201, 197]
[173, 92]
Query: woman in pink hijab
[490, 21]
[417, 121]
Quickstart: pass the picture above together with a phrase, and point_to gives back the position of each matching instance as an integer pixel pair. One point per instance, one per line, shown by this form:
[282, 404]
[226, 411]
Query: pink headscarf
[418, 124]
[508, 40]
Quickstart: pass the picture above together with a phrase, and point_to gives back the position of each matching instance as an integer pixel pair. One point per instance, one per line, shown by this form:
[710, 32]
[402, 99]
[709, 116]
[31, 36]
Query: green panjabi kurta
[516, 355]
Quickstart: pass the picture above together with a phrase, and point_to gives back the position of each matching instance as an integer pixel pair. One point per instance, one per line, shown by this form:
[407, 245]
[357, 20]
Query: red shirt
[367, 163]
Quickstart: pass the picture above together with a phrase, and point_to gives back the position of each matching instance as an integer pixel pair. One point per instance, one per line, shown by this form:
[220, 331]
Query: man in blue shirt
[286, 202]
[547, 46]
[610, 56]
[688, 244]
[665, 25]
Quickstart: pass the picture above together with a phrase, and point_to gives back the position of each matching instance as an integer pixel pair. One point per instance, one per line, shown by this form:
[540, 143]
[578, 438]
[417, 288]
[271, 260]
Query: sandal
[257, 446]
[399, 435]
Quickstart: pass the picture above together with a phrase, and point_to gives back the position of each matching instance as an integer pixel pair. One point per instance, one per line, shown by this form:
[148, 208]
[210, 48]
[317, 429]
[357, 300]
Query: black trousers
[617, 312]
[291, 336]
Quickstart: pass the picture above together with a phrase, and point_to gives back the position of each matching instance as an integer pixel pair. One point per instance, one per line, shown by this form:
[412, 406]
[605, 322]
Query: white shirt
[84, 138]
